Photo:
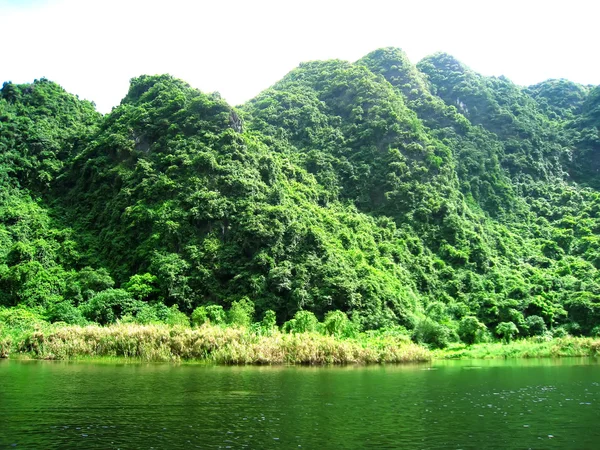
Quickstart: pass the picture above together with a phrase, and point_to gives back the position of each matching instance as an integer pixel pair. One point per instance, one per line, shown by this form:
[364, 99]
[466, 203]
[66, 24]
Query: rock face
[235, 122]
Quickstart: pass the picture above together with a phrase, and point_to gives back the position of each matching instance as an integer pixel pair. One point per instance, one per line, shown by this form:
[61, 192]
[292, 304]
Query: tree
[536, 325]
[303, 322]
[107, 306]
[471, 330]
[241, 312]
[507, 331]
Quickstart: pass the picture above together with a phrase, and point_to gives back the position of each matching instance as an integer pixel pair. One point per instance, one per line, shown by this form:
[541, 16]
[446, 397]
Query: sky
[241, 47]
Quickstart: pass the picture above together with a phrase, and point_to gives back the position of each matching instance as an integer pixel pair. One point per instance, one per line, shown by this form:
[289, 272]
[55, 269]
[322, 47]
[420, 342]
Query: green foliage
[241, 312]
[199, 316]
[107, 306]
[536, 326]
[141, 287]
[65, 312]
[303, 322]
[425, 197]
[507, 331]
[176, 317]
[470, 330]
[336, 323]
[269, 321]
[20, 318]
[148, 314]
[432, 333]
[216, 314]
[560, 332]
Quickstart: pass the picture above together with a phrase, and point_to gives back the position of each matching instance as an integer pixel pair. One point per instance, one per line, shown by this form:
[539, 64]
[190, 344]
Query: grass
[525, 348]
[241, 345]
[215, 344]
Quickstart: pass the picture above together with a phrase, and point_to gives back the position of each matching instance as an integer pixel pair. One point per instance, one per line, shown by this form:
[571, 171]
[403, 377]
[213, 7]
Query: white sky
[240, 47]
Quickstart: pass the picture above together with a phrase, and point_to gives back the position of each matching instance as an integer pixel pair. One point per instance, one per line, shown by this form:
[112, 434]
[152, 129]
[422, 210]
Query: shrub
[303, 322]
[432, 333]
[199, 316]
[65, 312]
[176, 317]
[269, 321]
[107, 306]
[471, 330]
[458, 310]
[536, 325]
[573, 328]
[559, 332]
[437, 311]
[507, 331]
[241, 312]
[141, 287]
[20, 317]
[336, 323]
[147, 314]
[216, 314]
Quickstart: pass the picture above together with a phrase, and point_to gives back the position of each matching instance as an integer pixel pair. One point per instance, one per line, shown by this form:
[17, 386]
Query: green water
[483, 404]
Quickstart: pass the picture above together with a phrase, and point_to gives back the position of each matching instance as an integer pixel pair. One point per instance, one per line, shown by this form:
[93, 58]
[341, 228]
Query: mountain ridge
[403, 195]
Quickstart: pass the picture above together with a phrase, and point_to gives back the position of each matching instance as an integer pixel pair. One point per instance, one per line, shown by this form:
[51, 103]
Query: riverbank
[525, 348]
[240, 345]
[214, 344]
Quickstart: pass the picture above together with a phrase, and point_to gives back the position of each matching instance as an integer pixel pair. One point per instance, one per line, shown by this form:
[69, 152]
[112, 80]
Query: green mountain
[427, 196]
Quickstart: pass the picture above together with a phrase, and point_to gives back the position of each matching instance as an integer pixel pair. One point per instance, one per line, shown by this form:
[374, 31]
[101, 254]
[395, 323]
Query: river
[444, 404]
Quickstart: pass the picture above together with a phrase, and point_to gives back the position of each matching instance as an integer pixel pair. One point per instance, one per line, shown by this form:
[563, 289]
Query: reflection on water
[445, 404]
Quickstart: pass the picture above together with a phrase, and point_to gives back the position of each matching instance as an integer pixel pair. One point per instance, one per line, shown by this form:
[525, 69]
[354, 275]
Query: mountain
[413, 195]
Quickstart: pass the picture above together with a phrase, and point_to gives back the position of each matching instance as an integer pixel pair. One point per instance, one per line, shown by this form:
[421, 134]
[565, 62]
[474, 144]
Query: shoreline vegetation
[209, 343]
[240, 345]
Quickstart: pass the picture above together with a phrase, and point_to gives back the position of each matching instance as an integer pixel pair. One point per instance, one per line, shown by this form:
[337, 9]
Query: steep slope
[41, 127]
[476, 151]
[585, 129]
[173, 186]
[425, 196]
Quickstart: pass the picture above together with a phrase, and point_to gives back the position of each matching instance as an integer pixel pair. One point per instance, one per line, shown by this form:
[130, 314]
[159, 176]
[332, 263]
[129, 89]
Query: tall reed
[223, 345]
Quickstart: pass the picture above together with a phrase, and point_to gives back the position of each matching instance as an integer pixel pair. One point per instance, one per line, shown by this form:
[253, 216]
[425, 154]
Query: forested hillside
[423, 198]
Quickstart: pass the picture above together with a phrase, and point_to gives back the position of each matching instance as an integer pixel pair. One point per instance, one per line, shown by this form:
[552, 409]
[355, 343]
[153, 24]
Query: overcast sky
[240, 47]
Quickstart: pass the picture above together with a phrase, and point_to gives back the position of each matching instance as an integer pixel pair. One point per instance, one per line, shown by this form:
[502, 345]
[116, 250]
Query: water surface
[483, 404]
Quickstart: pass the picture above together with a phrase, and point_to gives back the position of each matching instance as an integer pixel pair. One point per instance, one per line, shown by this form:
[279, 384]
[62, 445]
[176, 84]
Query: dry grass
[230, 345]
[210, 343]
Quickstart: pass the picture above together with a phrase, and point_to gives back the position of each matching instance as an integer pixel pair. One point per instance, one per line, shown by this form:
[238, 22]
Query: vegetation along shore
[302, 341]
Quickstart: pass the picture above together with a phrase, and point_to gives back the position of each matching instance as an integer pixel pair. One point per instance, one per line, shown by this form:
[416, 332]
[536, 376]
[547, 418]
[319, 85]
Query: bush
[241, 312]
[471, 330]
[147, 314]
[536, 326]
[432, 333]
[437, 311]
[142, 287]
[21, 318]
[199, 316]
[507, 331]
[176, 317]
[559, 332]
[269, 321]
[108, 306]
[303, 322]
[396, 331]
[65, 312]
[573, 328]
[336, 323]
[216, 315]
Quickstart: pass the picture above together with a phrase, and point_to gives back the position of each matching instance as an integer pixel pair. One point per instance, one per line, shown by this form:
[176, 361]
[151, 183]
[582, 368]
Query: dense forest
[423, 198]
